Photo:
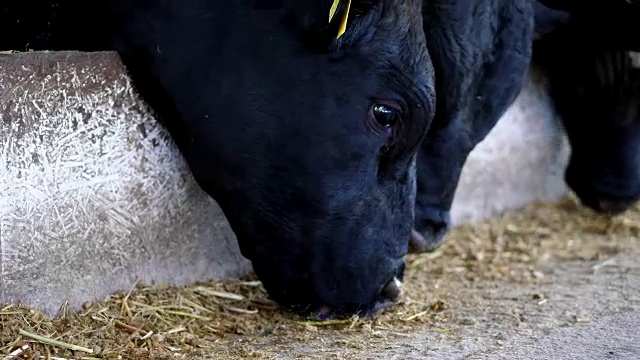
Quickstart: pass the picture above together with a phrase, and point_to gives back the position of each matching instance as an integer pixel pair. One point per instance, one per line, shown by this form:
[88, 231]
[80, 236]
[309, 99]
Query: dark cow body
[595, 86]
[603, 6]
[480, 52]
[21, 27]
[605, 22]
[45, 25]
[546, 19]
[307, 143]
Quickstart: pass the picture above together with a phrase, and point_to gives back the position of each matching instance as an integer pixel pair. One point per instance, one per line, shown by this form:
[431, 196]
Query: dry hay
[215, 319]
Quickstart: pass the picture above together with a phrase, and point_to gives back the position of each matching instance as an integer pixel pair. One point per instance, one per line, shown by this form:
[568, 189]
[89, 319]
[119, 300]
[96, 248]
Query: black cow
[306, 136]
[480, 52]
[595, 86]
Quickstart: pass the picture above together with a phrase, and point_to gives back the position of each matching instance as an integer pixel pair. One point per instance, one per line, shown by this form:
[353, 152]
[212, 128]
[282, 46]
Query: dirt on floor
[549, 281]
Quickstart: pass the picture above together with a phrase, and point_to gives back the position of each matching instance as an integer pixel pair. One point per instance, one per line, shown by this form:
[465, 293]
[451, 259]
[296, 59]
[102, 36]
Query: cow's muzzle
[388, 296]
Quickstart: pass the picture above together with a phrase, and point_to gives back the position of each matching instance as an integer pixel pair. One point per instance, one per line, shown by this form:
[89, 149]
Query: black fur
[273, 116]
[546, 19]
[480, 51]
[604, 22]
[596, 92]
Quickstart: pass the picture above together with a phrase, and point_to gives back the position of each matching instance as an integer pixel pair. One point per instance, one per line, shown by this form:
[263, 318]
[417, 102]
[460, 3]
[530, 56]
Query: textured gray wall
[522, 159]
[93, 194]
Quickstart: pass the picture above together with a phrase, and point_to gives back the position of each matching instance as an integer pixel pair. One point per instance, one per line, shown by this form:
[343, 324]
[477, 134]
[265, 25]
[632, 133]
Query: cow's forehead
[381, 38]
[355, 18]
[401, 15]
[388, 32]
[335, 25]
[400, 35]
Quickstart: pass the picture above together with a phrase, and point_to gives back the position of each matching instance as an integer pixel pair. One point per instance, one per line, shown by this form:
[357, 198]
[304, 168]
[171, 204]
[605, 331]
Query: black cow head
[596, 91]
[481, 52]
[303, 126]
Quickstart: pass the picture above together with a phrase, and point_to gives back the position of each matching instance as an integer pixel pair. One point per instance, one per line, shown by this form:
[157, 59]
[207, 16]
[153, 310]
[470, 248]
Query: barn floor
[552, 281]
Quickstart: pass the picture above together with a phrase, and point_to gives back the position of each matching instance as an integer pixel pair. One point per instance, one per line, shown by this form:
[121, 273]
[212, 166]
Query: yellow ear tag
[333, 9]
[343, 22]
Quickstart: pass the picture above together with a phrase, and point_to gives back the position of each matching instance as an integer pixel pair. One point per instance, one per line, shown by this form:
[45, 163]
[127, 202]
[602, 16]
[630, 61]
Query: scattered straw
[328, 322]
[415, 316]
[235, 319]
[221, 294]
[49, 341]
[17, 352]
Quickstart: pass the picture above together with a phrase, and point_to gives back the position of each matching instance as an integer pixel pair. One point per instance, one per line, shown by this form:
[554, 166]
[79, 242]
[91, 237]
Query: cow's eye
[386, 115]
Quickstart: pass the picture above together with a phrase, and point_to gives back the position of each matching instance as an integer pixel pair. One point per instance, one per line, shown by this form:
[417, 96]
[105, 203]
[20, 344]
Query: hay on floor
[169, 323]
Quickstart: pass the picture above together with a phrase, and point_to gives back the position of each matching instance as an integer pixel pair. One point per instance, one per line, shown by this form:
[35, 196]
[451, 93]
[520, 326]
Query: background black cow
[596, 107]
[595, 85]
[614, 22]
[307, 142]
[481, 52]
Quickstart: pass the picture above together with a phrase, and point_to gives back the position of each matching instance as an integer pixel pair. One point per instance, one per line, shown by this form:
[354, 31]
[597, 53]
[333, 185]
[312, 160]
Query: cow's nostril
[427, 241]
[391, 291]
[431, 227]
[437, 229]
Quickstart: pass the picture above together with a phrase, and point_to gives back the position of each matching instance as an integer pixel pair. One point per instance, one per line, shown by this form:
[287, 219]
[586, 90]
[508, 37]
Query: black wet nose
[607, 192]
[392, 290]
[429, 233]
[389, 294]
[612, 207]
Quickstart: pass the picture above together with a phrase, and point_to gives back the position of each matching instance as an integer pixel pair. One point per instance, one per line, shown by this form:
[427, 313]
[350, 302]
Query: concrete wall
[521, 160]
[93, 193]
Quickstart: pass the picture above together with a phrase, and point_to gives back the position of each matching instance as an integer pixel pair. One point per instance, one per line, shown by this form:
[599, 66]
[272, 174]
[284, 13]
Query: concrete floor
[588, 314]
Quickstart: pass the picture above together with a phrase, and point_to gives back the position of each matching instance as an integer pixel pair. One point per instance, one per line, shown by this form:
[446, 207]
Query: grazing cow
[304, 130]
[595, 87]
[480, 52]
